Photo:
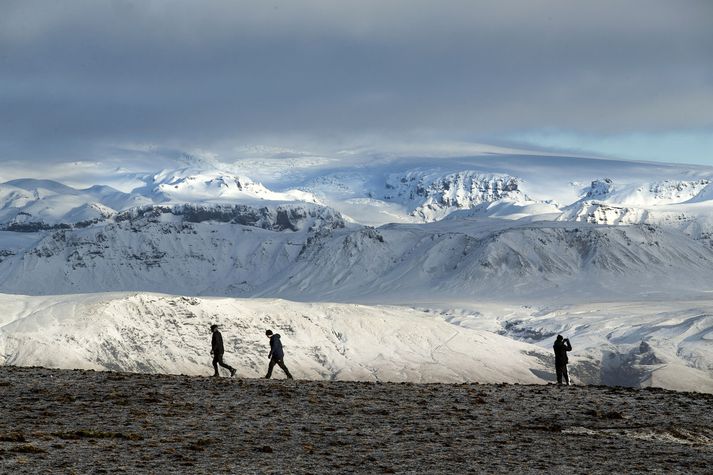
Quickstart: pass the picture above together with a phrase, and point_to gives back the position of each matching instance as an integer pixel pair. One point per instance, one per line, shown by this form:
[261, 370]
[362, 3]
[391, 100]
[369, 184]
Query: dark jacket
[276, 352]
[217, 343]
[561, 348]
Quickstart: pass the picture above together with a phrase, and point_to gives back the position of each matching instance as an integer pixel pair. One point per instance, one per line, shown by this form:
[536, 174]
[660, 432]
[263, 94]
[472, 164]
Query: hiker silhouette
[561, 347]
[217, 350]
[276, 355]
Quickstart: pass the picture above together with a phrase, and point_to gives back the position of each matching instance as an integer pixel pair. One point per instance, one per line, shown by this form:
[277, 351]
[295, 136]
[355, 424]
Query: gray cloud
[79, 75]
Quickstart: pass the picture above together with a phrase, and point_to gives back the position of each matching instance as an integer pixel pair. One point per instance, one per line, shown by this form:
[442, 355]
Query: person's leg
[223, 364]
[216, 359]
[565, 375]
[558, 368]
[269, 368]
[226, 366]
[284, 368]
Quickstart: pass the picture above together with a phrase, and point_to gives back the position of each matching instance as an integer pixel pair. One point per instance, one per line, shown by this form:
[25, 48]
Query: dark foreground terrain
[58, 421]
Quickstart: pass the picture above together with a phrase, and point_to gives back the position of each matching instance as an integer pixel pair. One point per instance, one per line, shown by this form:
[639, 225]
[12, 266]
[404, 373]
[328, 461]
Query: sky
[88, 80]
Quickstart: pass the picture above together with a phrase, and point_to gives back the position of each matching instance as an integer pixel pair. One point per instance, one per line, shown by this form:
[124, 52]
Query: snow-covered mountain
[534, 188]
[310, 253]
[433, 233]
[159, 333]
[28, 203]
[191, 186]
[682, 205]
[431, 196]
[634, 344]
[645, 194]
[469, 232]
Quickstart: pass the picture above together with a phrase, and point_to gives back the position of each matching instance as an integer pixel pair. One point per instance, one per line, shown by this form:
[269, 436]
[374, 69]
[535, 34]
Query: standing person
[276, 355]
[561, 347]
[217, 351]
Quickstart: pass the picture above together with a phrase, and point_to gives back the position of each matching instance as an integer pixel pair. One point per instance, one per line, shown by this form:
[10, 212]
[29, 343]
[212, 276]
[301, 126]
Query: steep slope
[431, 195]
[423, 194]
[468, 260]
[706, 194]
[214, 250]
[309, 253]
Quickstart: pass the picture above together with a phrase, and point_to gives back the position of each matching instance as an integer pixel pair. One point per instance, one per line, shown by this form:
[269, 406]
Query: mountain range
[449, 236]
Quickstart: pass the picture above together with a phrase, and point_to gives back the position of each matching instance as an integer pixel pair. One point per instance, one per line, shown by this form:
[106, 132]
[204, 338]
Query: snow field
[636, 344]
[166, 334]
[656, 342]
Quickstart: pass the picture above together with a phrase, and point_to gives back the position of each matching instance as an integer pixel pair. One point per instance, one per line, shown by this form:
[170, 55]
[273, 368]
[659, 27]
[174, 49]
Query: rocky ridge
[432, 196]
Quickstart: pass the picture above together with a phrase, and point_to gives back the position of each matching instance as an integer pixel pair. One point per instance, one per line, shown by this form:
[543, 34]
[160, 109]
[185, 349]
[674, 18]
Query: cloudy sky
[83, 79]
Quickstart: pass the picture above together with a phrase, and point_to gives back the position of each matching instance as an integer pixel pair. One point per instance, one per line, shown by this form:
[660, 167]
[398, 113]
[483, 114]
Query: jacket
[217, 343]
[276, 352]
[561, 348]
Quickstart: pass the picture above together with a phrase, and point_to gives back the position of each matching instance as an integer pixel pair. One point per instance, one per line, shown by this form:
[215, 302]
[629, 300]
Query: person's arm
[569, 345]
[213, 342]
[269, 355]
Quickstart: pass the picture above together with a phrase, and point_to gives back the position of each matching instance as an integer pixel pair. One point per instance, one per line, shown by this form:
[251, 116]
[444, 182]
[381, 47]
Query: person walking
[276, 355]
[561, 347]
[217, 350]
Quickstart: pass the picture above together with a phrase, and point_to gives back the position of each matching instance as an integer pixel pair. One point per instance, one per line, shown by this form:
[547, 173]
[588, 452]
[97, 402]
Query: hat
[213, 327]
[268, 332]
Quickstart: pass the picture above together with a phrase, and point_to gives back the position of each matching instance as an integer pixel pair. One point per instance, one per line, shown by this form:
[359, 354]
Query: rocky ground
[60, 421]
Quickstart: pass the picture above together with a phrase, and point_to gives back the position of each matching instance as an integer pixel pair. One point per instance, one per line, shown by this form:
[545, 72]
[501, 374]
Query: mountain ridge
[476, 241]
